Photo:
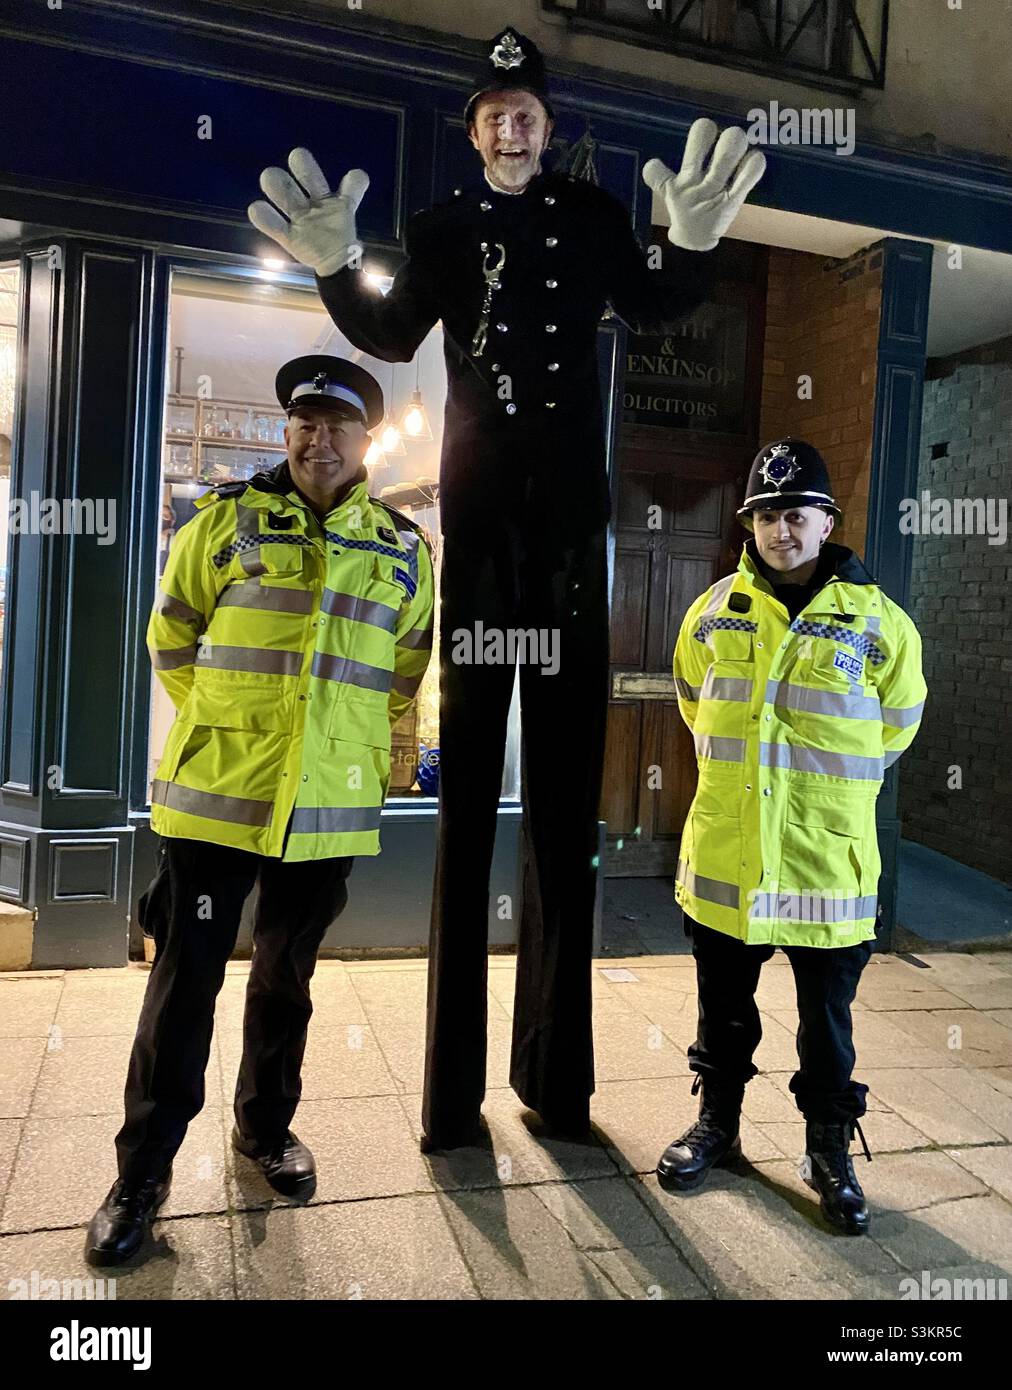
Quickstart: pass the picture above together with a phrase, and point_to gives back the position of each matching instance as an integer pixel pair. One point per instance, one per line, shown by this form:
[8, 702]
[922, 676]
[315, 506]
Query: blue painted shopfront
[105, 107]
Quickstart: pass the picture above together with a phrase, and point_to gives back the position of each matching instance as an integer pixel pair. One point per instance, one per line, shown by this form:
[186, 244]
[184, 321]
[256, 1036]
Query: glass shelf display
[214, 440]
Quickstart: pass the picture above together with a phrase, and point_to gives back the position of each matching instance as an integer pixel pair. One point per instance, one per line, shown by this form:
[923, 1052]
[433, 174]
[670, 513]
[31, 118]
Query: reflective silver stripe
[716, 600]
[264, 659]
[360, 610]
[850, 765]
[340, 668]
[167, 606]
[687, 691]
[333, 820]
[726, 688]
[899, 718]
[406, 685]
[172, 660]
[891, 757]
[418, 639]
[788, 696]
[247, 523]
[812, 907]
[721, 750]
[238, 809]
[711, 890]
[249, 594]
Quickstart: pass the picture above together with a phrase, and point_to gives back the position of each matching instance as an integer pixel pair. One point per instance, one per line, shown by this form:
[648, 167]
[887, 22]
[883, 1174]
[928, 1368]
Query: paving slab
[392, 1248]
[363, 1146]
[98, 1003]
[992, 1164]
[929, 1108]
[753, 1235]
[959, 1037]
[339, 1062]
[28, 1007]
[972, 1232]
[515, 1250]
[66, 1165]
[19, 1074]
[189, 1258]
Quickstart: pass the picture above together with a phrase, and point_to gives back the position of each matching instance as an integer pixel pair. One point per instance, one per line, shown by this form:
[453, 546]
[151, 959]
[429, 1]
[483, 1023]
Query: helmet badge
[507, 53]
[779, 466]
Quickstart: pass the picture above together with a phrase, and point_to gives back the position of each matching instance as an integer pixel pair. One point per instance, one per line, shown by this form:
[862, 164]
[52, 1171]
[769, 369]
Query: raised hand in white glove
[318, 227]
[702, 206]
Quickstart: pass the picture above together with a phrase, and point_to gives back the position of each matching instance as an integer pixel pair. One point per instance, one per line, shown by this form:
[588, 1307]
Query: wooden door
[676, 494]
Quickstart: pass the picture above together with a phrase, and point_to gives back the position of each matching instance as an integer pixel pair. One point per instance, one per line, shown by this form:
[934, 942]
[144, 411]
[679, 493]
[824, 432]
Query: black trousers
[729, 1030]
[193, 909]
[515, 573]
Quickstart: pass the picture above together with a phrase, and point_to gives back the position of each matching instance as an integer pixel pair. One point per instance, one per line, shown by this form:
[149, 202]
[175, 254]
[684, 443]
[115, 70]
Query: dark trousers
[727, 975]
[193, 909]
[512, 573]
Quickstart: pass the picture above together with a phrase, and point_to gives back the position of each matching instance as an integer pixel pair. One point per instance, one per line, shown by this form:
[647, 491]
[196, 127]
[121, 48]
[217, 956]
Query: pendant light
[389, 435]
[415, 425]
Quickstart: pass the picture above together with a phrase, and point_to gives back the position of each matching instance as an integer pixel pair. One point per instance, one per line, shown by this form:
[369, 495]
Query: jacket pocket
[219, 703]
[362, 719]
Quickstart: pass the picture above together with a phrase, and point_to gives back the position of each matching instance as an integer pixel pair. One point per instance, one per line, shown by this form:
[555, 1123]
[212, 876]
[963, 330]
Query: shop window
[228, 335]
[10, 284]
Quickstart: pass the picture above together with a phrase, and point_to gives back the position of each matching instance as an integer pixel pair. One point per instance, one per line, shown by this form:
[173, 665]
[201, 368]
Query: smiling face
[325, 450]
[510, 130]
[788, 539]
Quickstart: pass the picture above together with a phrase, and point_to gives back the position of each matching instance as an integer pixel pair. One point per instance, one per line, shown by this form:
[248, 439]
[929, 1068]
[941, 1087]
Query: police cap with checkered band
[788, 473]
[333, 383]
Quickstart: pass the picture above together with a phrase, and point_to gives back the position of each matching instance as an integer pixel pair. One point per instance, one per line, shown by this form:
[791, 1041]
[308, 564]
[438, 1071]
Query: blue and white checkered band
[328, 388]
[507, 53]
[779, 466]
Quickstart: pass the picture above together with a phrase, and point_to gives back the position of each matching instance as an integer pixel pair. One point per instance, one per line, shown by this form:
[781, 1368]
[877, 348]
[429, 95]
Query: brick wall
[822, 319]
[961, 601]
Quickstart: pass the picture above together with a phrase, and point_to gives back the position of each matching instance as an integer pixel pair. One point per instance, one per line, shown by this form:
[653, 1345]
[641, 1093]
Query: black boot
[712, 1140]
[288, 1166]
[118, 1227]
[828, 1170]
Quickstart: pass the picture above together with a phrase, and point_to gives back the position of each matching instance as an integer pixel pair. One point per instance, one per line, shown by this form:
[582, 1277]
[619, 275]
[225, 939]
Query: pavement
[531, 1218]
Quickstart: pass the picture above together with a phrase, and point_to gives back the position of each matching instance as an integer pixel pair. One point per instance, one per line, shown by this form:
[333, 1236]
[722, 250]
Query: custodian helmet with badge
[511, 63]
[788, 473]
[333, 382]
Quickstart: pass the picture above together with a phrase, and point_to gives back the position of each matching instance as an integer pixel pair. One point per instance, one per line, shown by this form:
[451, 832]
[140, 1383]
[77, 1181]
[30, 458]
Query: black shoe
[288, 1165]
[118, 1227]
[713, 1139]
[828, 1170]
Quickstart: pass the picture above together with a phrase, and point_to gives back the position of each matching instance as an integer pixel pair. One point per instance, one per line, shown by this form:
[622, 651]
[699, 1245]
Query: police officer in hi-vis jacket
[292, 628]
[801, 682]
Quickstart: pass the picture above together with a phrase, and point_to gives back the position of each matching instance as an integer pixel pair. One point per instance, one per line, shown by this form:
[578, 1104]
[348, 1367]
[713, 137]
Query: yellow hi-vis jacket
[794, 724]
[290, 648]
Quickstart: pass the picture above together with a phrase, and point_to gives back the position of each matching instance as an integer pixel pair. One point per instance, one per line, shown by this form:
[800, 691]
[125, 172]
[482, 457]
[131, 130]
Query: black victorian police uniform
[524, 507]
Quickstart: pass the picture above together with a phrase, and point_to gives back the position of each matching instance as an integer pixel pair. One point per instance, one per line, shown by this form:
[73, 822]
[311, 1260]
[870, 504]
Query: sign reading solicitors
[693, 378]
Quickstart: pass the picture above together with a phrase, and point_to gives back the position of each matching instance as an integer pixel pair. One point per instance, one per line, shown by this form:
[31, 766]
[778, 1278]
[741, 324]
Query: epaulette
[400, 519]
[220, 491]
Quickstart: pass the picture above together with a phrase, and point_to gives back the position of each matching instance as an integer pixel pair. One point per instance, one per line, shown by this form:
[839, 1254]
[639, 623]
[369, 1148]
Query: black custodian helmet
[513, 63]
[788, 473]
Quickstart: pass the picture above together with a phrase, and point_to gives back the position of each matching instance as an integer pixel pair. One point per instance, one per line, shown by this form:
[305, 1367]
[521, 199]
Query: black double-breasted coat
[530, 405]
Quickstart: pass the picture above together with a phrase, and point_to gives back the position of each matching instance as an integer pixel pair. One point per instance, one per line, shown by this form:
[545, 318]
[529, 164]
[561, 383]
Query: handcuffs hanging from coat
[492, 283]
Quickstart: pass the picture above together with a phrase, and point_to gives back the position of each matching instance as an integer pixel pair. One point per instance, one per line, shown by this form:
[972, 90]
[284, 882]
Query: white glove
[702, 206]
[317, 230]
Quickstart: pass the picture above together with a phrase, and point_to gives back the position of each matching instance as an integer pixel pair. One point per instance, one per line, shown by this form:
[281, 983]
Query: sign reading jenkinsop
[693, 378]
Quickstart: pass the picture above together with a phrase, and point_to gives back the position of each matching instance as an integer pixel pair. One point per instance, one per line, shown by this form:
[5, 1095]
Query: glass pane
[10, 285]
[228, 335]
